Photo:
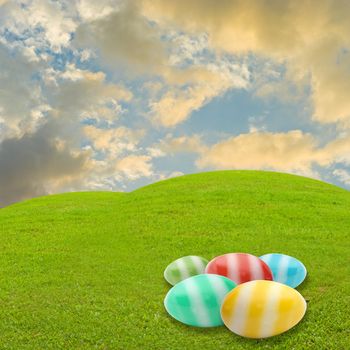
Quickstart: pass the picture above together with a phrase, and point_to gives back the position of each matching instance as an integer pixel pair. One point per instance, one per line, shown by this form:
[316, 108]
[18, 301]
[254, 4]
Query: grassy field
[85, 270]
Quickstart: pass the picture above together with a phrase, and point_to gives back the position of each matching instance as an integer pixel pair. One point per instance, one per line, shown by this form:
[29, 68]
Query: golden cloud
[311, 37]
[135, 166]
[292, 151]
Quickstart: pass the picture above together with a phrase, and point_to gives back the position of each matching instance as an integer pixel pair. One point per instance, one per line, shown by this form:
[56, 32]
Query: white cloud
[343, 176]
[80, 93]
[135, 166]
[292, 151]
[90, 10]
[208, 82]
[114, 141]
[171, 145]
[57, 24]
[40, 23]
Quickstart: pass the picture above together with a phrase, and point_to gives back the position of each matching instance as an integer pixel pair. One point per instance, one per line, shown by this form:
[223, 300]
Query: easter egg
[196, 301]
[261, 309]
[184, 267]
[285, 269]
[239, 267]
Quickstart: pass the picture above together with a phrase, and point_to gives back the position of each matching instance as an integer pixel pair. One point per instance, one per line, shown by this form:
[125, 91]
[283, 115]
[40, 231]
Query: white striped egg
[285, 269]
[261, 309]
[196, 301]
[184, 267]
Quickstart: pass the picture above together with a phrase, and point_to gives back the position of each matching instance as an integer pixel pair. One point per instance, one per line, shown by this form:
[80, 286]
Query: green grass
[85, 270]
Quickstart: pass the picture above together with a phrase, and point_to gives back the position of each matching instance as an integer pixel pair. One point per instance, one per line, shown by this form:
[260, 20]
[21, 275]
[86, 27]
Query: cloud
[182, 144]
[124, 37]
[177, 104]
[114, 141]
[90, 10]
[40, 23]
[292, 151]
[282, 31]
[51, 16]
[135, 166]
[89, 86]
[198, 87]
[43, 102]
[19, 93]
[343, 175]
[41, 133]
[261, 27]
[336, 151]
[37, 164]
[330, 66]
[80, 93]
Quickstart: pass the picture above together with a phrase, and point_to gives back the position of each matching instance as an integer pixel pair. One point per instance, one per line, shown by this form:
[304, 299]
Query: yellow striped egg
[261, 309]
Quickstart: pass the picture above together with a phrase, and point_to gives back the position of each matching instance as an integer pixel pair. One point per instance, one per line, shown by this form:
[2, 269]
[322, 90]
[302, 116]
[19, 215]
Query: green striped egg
[197, 300]
[184, 267]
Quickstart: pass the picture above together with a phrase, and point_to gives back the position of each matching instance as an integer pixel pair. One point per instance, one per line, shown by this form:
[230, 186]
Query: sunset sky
[114, 95]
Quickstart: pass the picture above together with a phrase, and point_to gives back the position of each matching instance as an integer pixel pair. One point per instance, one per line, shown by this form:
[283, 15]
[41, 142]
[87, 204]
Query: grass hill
[85, 270]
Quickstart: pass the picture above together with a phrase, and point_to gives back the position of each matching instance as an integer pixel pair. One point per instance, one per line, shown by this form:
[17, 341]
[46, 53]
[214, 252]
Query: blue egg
[285, 269]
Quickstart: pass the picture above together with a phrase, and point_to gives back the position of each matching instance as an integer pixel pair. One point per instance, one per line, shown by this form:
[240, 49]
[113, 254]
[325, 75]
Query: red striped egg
[239, 267]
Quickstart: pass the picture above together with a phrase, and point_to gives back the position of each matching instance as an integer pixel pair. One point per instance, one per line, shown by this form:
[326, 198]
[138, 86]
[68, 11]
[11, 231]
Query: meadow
[85, 270]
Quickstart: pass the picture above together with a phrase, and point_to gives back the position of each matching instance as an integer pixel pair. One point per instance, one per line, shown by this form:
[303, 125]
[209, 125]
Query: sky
[113, 95]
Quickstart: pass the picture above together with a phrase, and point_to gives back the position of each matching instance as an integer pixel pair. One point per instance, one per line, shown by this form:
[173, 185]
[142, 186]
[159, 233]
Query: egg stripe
[190, 266]
[294, 277]
[182, 266]
[197, 303]
[198, 263]
[267, 259]
[244, 267]
[271, 308]
[296, 272]
[256, 310]
[282, 269]
[172, 274]
[238, 319]
[269, 318]
[228, 306]
[173, 305]
[282, 315]
[212, 299]
[256, 270]
[220, 269]
[272, 261]
[232, 266]
[300, 275]
[176, 307]
[287, 312]
[221, 289]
